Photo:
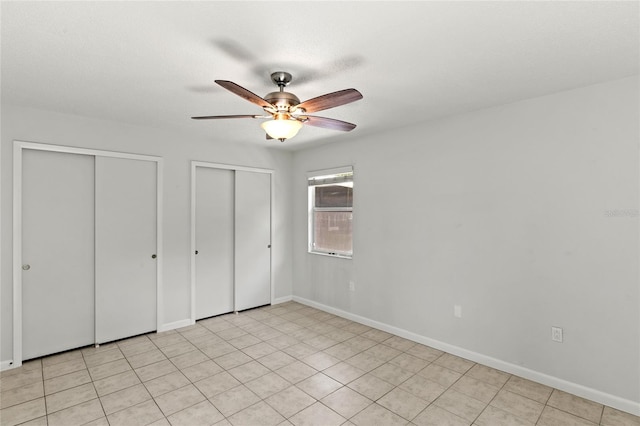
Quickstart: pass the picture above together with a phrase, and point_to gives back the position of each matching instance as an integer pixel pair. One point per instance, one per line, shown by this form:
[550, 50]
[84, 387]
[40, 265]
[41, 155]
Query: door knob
[26, 267]
[153, 256]
[196, 251]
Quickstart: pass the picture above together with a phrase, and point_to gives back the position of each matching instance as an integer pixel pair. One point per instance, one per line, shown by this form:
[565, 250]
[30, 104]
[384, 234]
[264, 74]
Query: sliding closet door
[253, 240]
[214, 223]
[125, 233]
[57, 252]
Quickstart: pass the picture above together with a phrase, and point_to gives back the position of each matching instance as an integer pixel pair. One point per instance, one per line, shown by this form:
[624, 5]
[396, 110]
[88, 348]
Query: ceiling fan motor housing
[283, 101]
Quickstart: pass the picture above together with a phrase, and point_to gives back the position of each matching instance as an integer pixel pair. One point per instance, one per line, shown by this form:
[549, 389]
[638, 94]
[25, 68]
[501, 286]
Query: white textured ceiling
[153, 63]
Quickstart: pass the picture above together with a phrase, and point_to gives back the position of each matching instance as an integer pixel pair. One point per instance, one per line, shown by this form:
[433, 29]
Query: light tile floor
[283, 364]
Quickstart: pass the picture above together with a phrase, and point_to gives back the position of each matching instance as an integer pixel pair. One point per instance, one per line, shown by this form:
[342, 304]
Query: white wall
[178, 151]
[503, 211]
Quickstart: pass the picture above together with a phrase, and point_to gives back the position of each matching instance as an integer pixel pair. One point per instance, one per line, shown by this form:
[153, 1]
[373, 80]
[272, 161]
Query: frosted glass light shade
[281, 129]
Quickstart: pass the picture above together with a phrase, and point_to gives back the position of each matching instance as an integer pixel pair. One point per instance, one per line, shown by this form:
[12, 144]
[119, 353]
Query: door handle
[269, 246]
[196, 251]
[26, 267]
[153, 256]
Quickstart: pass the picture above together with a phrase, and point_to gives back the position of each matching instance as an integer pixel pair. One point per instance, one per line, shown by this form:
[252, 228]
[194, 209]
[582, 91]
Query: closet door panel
[126, 282]
[58, 247]
[253, 240]
[214, 241]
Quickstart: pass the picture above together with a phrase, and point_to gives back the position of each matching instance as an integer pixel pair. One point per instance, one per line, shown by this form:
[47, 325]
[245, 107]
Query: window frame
[312, 209]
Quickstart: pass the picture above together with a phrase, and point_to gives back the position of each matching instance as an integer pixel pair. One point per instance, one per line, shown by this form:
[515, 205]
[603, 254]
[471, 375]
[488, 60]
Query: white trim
[281, 300]
[176, 324]
[328, 254]
[159, 242]
[8, 365]
[192, 256]
[18, 147]
[616, 402]
[231, 167]
[194, 166]
[332, 171]
[272, 230]
[17, 254]
[84, 151]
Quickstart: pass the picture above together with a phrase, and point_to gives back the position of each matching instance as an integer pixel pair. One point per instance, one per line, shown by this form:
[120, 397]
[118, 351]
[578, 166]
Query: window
[331, 212]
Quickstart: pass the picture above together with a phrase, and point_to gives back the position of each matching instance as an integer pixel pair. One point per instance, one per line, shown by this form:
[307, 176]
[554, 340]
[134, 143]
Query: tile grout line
[494, 397]
[44, 395]
[320, 327]
[190, 382]
[145, 386]
[94, 387]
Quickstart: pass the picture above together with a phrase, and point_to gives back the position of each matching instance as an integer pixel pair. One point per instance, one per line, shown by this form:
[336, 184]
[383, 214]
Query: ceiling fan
[285, 113]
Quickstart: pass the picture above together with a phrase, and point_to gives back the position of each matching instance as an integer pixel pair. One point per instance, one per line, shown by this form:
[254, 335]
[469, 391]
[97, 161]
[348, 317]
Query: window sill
[339, 256]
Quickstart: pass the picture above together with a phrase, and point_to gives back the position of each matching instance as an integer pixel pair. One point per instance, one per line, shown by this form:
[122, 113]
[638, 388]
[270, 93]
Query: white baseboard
[281, 300]
[187, 322]
[175, 324]
[613, 401]
[8, 365]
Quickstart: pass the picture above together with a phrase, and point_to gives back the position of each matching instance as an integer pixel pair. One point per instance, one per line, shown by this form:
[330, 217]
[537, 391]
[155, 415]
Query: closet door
[214, 225]
[125, 232]
[253, 240]
[57, 252]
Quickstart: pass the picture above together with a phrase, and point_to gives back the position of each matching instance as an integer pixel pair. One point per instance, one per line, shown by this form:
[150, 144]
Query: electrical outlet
[556, 334]
[457, 311]
[352, 286]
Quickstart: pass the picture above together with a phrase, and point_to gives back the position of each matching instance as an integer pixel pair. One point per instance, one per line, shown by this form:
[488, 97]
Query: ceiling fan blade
[216, 117]
[331, 100]
[328, 123]
[244, 93]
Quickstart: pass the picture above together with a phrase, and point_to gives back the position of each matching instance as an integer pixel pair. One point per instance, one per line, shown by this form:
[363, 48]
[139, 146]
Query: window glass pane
[334, 196]
[332, 231]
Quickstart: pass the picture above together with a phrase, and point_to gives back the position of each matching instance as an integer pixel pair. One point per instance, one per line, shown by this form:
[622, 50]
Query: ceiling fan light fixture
[281, 128]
